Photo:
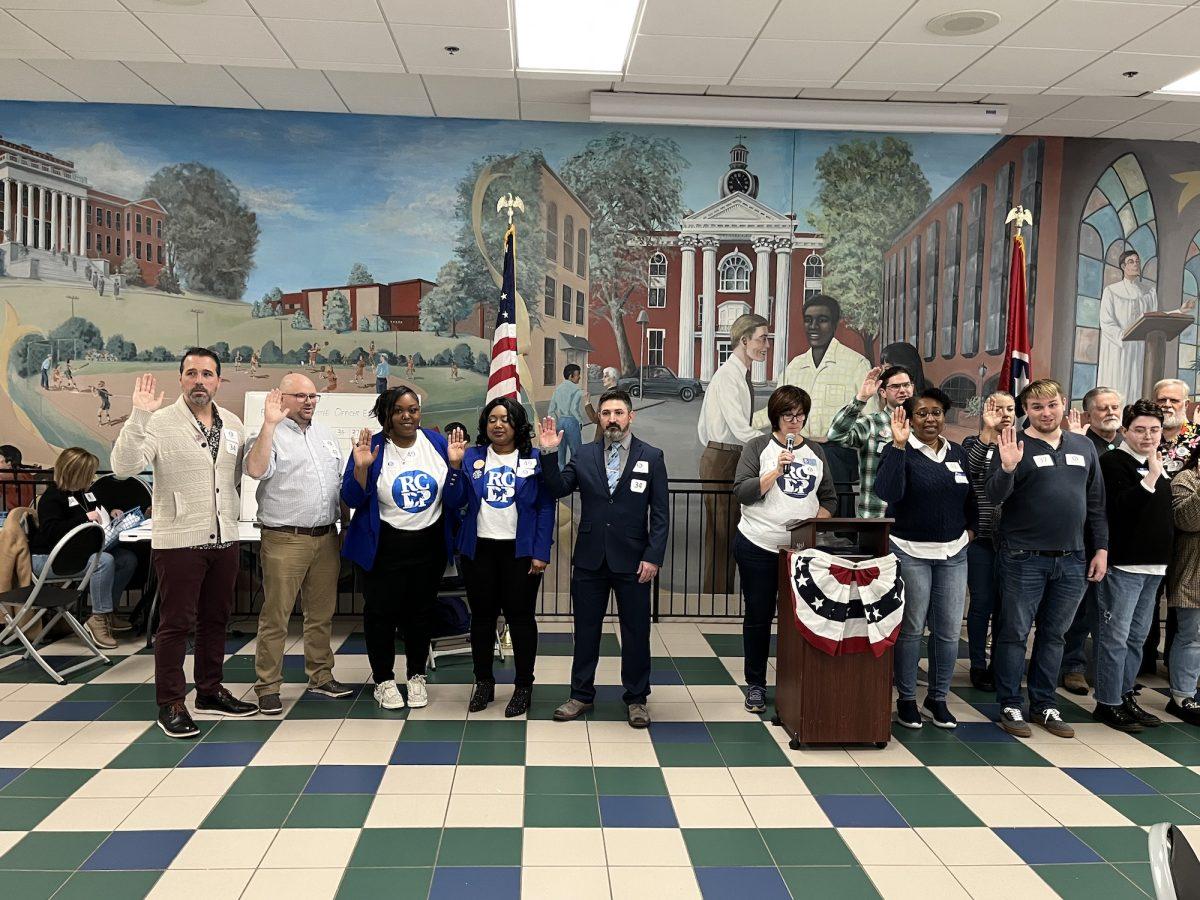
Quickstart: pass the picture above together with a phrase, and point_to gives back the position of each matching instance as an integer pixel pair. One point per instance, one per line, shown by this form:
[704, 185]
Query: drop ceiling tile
[99, 81]
[856, 20]
[1017, 124]
[936, 97]
[110, 5]
[1149, 131]
[1190, 136]
[1177, 35]
[341, 11]
[288, 88]
[705, 18]
[334, 43]
[17, 40]
[206, 8]
[1033, 105]
[1088, 25]
[845, 94]
[473, 97]
[967, 87]
[19, 81]
[481, 50]
[751, 90]
[1024, 67]
[822, 62]
[925, 64]
[1117, 108]
[230, 37]
[96, 35]
[377, 94]
[1013, 14]
[1174, 112]
[1068, 127]
[557, 90]
[194, 85]
[1104, 76]
[556, 112]
[632, 85]
[887, 88]
[708, 59]
[475, 13]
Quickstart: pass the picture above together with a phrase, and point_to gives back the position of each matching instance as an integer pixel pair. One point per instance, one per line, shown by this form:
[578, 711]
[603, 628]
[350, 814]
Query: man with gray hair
[1171, 396]
[1102, 408]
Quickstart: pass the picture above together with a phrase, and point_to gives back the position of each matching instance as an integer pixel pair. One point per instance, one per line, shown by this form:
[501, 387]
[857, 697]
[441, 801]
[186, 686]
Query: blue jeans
[1075, 656]
[1185, 654]
[113, 573]
[935, 591]
[572, 439]
[381, 385]
[984, 585]
[1124, 607]
[1041, 590]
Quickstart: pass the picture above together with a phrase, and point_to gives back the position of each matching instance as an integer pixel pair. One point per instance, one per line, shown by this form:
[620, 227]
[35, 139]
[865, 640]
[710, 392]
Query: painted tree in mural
[448, 303]
[336, 316]
[211, 235]
[360, 275]
[868, 191]
[632, 186]
[132, 272]
[300, 321]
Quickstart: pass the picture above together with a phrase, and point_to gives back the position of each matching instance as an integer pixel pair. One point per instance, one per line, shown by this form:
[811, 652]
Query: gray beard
[1170, 420]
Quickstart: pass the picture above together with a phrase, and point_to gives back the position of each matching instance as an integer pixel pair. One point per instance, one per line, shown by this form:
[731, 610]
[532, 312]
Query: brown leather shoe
[97, 627]
[1076, 684]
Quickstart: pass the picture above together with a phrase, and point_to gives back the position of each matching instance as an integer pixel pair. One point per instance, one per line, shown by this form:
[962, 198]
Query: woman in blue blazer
[504, 544]
[404, 485]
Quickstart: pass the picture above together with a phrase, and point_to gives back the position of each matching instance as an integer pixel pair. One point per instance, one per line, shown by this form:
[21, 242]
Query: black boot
[519, 704]
[1143, 718]
[1117, 717]
[982, 680]
[484, 693]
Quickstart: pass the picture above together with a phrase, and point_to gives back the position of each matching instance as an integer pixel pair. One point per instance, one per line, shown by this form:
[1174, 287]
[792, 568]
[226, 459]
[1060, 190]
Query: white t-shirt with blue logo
[410, 485]
[793, 496]
[498, 505]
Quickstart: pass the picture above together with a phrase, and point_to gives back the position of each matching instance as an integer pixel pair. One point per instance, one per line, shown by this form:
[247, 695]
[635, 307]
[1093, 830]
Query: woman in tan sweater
[1183, 590]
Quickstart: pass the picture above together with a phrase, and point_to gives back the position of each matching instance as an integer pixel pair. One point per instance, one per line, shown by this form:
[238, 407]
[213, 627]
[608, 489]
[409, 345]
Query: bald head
[299, 398]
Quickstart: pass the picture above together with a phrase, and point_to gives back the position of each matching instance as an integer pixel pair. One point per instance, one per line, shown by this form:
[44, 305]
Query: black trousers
[498, 581]
[399, 593]
[589, 595]
[759, 571]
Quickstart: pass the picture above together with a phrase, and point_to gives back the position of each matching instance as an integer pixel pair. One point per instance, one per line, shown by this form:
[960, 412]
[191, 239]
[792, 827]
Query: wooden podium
[1156, 328]
[823, 699]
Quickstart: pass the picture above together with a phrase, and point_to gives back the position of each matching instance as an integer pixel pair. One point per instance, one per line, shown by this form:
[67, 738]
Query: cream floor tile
[122, 783]
[1136, 756]
[122, 733]
[616, 733]
[43, 733]
[1080, 810]
[634, 846]
[436, 780]
[448, 693]
[7, 689]
[969, 847]
[624, 754]
[370, 730]
[131, 670]
[1073, 754]
[673, 693]
[712, 812]
[9, 839]
[723, 711]
[567, 847]
[668, 884]
[310, 848]
[964, 780]
[916, 882]
[169, 812]
[446, 711]
[1002, 883]
[290, 753]
[538, 732]
[1042, 780]
[713, 693]
[818, 756]
[674, 712]
[888, 847]
[22, 756]
[477, 811]
[769, 781]
[70, 755]
[408, 811]
[704, 781]
[496, 780]
[86, 814]
[965, 712]
[311, 884]
[894, 754]
[221, 848]
[787, 812]
[50, 692]
[558, 753]
[1095, 734]
[358, 753]
[308, 730]
[543, 883]
[215, 884]
[202, 781]
[1009, 812]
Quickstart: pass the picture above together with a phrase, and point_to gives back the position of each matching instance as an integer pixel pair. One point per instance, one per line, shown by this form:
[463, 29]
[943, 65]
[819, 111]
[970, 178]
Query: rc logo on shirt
[500, 487]
[414, 491]
[799, 480]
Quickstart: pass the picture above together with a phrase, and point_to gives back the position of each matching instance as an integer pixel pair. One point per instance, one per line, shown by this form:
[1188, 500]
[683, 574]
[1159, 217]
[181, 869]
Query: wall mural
[325, 243]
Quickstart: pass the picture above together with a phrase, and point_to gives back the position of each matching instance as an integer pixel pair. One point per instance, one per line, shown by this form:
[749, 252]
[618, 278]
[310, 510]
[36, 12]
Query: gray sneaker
[270, 705]
[332, 688]
[639, 716]
[571, 710]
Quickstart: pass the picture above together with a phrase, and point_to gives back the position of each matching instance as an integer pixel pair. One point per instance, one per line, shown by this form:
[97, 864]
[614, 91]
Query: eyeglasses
[302, 397]
[898, 387]
[792, 417]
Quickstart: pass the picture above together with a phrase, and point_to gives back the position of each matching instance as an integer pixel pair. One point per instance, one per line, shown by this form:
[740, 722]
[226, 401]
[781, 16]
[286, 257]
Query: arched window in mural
[1118, 216]
[1189, 361]
[735, 273]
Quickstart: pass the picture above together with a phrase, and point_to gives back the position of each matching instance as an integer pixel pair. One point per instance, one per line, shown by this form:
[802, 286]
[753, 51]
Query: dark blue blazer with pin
[627, 527]
[535, 508]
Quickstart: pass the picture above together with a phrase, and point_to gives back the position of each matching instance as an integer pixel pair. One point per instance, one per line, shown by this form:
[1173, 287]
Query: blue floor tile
[1110, 781]
[232, 754]
[425, 753]
[665, 676]
[737, 883]
[7, 728]
[1047, 846]
[680, 733]
[153, 850]
[345, 780]
[234, 643]
[77, 711]
[637, 812]
[470, 883]
[982, 733]
[609, 693]
[7, 775]
[866, 811]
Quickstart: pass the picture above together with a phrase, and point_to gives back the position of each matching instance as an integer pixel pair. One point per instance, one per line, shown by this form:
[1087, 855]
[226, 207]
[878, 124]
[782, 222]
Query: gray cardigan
[746, 478]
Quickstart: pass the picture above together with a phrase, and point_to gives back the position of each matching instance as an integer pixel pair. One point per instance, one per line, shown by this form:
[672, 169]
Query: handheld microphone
[791, 442]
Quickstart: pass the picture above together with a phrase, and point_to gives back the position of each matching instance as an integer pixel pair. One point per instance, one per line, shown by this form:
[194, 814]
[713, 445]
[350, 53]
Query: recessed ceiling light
[963, 22]
[574, 35]
[1188, 84]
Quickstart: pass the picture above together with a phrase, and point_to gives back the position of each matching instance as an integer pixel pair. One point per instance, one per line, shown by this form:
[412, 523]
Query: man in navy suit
[622, 483]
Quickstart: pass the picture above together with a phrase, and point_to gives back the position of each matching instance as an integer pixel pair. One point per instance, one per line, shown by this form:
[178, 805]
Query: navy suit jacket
[623, 529]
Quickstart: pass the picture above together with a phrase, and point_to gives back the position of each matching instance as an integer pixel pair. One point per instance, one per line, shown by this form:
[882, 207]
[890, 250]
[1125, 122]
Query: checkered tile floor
[339, 798]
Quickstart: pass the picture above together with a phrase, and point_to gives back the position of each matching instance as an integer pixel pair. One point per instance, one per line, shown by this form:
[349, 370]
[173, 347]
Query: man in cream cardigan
[195, 451]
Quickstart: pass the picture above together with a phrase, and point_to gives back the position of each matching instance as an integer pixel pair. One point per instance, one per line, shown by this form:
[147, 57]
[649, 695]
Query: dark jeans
[381, 385]
[759, 571]
[1075, 656]
[399, 592]
[1038, 590]
[498, 581]
[983, 583]
[589, 595]
[195, 590]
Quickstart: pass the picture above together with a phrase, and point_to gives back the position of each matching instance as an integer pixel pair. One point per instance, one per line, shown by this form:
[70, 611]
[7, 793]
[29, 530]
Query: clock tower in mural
[739, 179]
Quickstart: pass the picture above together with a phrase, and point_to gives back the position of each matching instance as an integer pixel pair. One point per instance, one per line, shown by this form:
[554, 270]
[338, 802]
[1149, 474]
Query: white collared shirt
[831, 385]
[931, 549]
[302, 484]
[725, 412]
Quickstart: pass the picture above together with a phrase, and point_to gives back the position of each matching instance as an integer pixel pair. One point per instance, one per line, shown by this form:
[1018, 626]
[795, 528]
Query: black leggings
[400, 591]
[498, 581]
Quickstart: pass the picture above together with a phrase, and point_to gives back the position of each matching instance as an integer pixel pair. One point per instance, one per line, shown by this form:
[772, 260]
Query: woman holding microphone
[504, 544]
[400, 483]
[780, 477]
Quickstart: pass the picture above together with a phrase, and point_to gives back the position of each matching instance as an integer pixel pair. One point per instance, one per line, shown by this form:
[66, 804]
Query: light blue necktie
[613, 466]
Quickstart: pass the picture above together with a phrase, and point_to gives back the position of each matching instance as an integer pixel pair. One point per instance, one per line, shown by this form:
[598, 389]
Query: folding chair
[1174, 867]
[77, 555]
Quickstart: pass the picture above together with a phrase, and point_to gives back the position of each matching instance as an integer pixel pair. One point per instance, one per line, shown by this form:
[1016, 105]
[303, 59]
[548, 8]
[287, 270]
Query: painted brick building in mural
[563, 334]
[945, 285]
[396, 302]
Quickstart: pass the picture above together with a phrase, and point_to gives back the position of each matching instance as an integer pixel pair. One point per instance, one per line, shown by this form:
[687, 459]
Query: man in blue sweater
[1051, 495]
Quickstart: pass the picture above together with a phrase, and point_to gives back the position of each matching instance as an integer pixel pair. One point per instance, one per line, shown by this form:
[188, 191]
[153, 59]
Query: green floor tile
[630, 781]
[698, 663]
[1087, 881]
[752, 754]
[330, 811]
[47, 782]
[726, 847]
[562, 811]
[560, 780]
[837, 780]
[609, 646]
[741, 733]
[1139, 874]
[234, 731]
[1167, 733]
[447, 673]
[385, 847]
[899, 780]
[480, 847]
[922, 735]
[688, 755]
[369, 709]
[1169, 779]
[494, 731]
[945, 754]
[541, 710]
[1190, 802]
[23, 813]
[152, 755]
[842, 882]
[706, 676]
[321, 709]
[112, 692]
[725, 644]
[104, 885]
[289, 780]
[1150, 810]
[130, 711]
[433, 730]
[942, 811]
[492, 753]
[1116, 843]
[50, 850]
[33, 885]
[609, 711]
[250, 811]
[155, 735]
[807, 847]
[1003, 753]
[401, 884]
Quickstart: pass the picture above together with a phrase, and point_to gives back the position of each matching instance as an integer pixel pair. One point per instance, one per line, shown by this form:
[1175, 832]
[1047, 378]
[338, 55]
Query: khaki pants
[722, 513]
[290, 563]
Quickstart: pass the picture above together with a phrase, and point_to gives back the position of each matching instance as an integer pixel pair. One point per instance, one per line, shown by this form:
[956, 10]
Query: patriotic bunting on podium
[845, 607]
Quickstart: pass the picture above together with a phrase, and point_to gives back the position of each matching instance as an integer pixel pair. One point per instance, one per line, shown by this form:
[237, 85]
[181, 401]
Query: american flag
[503, 380]
[1015, 374]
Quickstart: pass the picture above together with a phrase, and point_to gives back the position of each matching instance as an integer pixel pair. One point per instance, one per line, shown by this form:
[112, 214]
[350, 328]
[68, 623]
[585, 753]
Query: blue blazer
[362, 537]
[535, 509]
[625, 528]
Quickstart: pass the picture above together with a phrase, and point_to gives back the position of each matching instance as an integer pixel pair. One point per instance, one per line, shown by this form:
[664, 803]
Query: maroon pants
[195, 589]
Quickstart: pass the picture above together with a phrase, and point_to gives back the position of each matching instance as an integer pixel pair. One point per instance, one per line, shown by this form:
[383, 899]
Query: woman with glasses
[923, 479]
[400, 482]
[780, 477]
[504, 544]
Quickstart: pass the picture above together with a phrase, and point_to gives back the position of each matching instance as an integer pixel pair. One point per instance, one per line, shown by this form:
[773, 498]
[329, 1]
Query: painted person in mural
[724, 428]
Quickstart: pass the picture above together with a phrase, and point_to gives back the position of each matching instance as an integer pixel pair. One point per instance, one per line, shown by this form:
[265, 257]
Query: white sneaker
[388, 695]
[417, 695]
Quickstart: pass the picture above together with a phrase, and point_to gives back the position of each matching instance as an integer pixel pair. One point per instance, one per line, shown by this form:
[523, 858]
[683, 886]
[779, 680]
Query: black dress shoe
[224, 703]
[175, 722]
[483, 694]
[519, 704]
[1117, 717]
[1188, 711]
[1143, 718]
[982, 680]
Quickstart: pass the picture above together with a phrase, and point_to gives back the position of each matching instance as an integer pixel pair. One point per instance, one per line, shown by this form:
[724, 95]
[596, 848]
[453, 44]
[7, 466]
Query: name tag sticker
[91, 498]
[332, 447]
[1043, 459]
[953, 466]
[637, 485]
[71, 501]
[641, 466]
[1076, 459]
[991, 450]
[960, 478]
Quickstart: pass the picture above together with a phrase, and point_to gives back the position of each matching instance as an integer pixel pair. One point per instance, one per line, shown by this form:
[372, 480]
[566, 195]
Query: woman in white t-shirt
[504, 542]
[779, 478]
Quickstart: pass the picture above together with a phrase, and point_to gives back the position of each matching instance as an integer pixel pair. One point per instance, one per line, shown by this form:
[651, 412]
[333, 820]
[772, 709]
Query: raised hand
[991, 414]
[143, 393]
[870, 385]
[363, 454]
[456, 447]
[273, 411]
[1154, 467]
[1075, 422]
[901, 427]
[1012, 451]
[548, 437]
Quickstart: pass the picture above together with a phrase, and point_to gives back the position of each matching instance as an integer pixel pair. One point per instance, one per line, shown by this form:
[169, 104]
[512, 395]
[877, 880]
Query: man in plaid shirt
[869, 433]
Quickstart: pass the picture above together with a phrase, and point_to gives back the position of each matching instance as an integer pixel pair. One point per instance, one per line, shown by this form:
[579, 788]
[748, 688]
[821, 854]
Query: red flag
[503, 380]
[1015, 374]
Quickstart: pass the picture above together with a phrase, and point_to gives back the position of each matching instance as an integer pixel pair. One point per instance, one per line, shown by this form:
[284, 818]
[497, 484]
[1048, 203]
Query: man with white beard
[1102, 410]
[1171, 396]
